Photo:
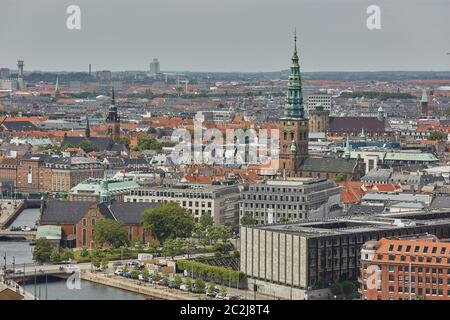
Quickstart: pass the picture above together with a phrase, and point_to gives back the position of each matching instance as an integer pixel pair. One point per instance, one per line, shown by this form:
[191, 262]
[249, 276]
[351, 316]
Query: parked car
[118, 272]
[171, 284]
[184, 287]
[212, 293]
[232, 297]
[161, 282]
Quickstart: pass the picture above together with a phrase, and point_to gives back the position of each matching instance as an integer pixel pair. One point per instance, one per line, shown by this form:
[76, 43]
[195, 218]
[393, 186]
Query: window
[84, 240]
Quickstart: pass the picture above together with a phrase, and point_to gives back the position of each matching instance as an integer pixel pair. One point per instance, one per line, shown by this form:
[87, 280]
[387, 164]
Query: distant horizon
[244, 72]
[226, 36]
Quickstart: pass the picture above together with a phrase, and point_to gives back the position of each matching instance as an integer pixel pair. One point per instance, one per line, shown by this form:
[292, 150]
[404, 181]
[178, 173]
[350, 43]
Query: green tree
[105, 264]
[177, 281]
[110, 231]
[436, 135]
[340, 177]
[88, 146]
[222, 248]
[188, 283]
[55, 256]
[156, 276]
[336, 289]
[199, 285]
[247, 220]
[348, 288]
[84, 252]
[126, 141]
[146, 142]
[67, 145]
[223, 290]
[66, 254]
[96, 262]
[172, 248]
[168, 221]
[134, 274]
[42, 250]
[206, 220]
[145, 274]
[211, 286]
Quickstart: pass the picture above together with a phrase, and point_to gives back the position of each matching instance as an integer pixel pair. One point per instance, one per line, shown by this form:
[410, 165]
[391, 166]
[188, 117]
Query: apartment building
[221, 201]
[319, 99]
[302, 260]
[44, 173]
[278, 201]
[414, 267]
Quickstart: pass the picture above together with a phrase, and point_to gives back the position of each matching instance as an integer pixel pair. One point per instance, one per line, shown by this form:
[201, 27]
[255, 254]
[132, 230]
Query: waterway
[27, 217]
[57, 290]
[21, 252]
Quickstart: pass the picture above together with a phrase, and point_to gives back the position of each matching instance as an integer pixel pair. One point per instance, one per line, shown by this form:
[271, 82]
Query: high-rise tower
[424, 102]
[113, 120]
[294, 124]
[20, 79]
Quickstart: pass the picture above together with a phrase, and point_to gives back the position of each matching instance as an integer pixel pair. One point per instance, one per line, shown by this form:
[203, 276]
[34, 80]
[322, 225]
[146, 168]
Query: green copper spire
[293, 107]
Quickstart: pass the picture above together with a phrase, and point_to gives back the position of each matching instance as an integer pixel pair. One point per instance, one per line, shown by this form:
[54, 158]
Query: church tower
[88, 128]
[113, 120]
[294, 124]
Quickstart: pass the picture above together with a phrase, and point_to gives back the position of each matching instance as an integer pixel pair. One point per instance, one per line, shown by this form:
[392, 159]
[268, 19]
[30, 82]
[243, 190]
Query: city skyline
[253, 36]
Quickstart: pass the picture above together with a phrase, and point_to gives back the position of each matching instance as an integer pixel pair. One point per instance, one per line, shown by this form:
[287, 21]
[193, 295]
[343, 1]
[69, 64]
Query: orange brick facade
[404, 269]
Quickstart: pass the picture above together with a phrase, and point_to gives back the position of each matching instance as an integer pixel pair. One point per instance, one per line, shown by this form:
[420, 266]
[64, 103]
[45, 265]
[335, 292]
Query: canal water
[21, 252]
[57, 290]
[28, 218]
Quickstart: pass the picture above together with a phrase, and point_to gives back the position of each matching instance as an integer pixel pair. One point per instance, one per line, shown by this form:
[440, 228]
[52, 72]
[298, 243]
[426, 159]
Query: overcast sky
[225, 35]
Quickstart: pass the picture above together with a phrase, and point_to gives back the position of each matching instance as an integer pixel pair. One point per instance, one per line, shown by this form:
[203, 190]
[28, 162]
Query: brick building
[413, 267]
[77, 219]
[44, 173]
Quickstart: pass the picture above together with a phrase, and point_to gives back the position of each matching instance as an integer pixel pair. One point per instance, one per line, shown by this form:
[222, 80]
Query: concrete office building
[293, 200]
[302, 260]
[222, 202]
[320, 99]
[4, 73]
[154, 67]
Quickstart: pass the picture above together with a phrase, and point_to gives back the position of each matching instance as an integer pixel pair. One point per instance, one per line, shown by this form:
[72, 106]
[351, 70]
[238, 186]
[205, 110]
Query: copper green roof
[396, 156]
[424, 96]
[94, 186]
[49, 232]
[293, 107]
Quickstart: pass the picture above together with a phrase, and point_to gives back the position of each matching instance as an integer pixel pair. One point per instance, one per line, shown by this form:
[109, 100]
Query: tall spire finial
[295, 39]
[113, 98]
[88, 128]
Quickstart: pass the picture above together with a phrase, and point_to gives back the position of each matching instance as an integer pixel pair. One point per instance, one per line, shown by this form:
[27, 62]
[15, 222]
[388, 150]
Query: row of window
[272, 198]
[399, 248]
[272, 206]
[419, 259]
